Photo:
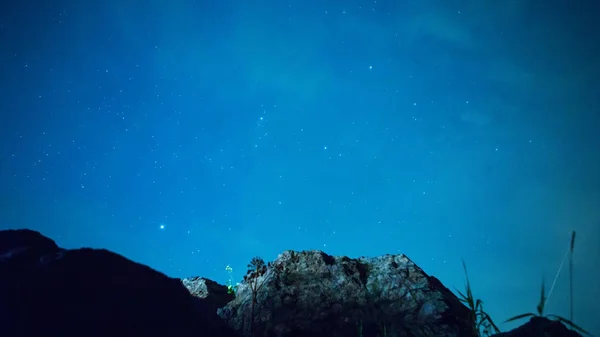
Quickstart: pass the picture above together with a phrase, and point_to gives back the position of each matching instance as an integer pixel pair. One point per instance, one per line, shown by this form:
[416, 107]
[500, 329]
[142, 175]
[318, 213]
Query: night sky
[192, 135]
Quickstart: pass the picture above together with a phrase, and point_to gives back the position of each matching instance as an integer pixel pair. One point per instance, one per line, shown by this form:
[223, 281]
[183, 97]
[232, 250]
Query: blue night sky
[191, 135]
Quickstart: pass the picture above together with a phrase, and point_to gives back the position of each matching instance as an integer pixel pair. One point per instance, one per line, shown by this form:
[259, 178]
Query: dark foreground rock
[542, 327]
[48, 291]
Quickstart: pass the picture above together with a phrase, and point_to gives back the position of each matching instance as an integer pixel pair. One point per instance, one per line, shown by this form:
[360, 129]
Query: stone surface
[48, 291]
[313, 294]
[212, 294]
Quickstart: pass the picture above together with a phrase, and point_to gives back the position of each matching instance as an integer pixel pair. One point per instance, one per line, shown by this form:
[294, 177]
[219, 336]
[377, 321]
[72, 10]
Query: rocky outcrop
[314, 294]
[211, 294]
[48, 291]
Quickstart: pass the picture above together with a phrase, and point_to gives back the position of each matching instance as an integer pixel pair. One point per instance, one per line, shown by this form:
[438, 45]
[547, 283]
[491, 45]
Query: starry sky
[192, 135]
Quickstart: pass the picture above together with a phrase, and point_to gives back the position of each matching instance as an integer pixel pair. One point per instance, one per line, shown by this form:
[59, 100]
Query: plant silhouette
[256, 268]
[543, 300]
[481, 323]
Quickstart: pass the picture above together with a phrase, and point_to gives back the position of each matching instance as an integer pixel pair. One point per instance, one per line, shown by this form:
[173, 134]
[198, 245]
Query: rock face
[211, 294]
[48, 291]
[313, 294]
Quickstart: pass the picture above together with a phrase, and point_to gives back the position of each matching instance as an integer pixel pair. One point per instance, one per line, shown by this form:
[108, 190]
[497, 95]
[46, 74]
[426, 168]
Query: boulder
[311, 293]
[212, 294]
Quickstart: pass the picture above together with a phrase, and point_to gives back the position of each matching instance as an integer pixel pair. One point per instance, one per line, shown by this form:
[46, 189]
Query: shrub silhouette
[543, 299]
[481, 323]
